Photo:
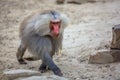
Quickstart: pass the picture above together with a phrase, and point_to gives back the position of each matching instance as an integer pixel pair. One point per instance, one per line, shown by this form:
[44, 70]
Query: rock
[105, 56]
[116, 37]
[51, 77]
[79, 1]
[22, 74]
[74, 1]
[60, 1]
[3, 77]
[13, 74]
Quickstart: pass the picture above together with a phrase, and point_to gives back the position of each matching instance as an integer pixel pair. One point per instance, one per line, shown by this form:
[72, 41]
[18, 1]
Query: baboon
[42, 35]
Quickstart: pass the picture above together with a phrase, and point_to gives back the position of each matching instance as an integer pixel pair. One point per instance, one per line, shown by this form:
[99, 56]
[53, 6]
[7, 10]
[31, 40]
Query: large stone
[116, 37]
[74, 1]
[105, 56]
[79, 1]
[22, 74]
[3, 77]
[14, 74]
[60, 1]
[51, 77]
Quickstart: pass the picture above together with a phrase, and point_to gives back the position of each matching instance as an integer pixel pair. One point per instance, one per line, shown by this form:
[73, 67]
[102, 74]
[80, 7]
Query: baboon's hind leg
[20, 52]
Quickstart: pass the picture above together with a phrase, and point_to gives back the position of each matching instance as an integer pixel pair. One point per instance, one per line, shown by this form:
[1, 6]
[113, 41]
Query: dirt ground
[90, 30]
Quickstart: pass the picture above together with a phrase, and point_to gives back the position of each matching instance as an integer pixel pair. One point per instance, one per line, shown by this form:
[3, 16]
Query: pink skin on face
[55, 27]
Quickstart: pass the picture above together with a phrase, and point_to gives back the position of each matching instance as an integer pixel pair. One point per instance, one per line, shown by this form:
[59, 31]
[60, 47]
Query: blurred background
[90, 29]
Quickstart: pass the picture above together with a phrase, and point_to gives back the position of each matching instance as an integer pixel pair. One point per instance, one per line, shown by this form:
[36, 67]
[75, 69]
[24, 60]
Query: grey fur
[36, 37]
[38, 24]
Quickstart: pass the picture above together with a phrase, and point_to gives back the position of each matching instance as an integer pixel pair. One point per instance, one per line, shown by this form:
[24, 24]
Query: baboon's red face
[55, 28]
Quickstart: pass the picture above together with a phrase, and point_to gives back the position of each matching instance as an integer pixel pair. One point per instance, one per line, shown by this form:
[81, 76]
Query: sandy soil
[90, 29]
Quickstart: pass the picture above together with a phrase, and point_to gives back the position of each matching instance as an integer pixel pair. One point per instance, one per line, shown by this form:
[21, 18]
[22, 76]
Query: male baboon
[42, 35]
